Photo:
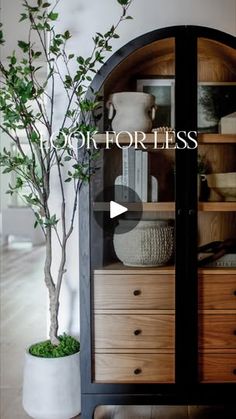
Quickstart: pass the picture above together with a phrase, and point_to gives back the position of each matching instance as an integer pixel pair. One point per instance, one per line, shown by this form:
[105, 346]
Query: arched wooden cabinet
[186, 353]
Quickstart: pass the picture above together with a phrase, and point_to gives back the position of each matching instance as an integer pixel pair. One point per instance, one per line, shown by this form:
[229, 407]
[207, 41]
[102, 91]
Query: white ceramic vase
[131, 111]
[51, 387]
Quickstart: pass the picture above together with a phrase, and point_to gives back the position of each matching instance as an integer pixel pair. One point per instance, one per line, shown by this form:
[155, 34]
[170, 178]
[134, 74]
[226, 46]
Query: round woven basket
[150, 243]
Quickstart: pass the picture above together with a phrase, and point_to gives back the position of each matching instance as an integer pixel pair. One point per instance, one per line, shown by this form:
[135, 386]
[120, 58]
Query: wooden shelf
[216, 138]
[119, 268]
[217, 271]
[169, 206]
[133, 206]
[203, 138]
[217, 206]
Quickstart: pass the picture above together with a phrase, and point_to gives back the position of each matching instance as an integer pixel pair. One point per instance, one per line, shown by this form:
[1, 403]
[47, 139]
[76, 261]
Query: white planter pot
[51, 387]
[134, 111]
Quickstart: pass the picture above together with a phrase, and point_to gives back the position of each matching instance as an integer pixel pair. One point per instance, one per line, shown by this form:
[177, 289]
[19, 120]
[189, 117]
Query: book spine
[144, 176]
[125, 173]
[131, 164]
[138, 173]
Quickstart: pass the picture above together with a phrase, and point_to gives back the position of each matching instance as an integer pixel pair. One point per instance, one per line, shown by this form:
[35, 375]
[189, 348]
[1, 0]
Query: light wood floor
[23, 321]
[23, 318]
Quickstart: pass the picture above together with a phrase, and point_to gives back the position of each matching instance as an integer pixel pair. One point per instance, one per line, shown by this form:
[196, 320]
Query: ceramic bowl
[224, 184]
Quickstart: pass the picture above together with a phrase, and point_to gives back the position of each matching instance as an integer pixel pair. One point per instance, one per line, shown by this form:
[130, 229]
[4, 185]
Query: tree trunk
[53, 300]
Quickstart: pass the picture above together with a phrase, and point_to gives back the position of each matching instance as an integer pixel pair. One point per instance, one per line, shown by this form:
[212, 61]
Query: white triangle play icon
[116, 209]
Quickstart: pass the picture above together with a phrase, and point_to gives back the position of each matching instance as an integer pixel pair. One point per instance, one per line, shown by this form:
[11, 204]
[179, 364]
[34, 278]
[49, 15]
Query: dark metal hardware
[235, 292]
[138, 371]
[139, 331]
[137, 292]
[234, 371]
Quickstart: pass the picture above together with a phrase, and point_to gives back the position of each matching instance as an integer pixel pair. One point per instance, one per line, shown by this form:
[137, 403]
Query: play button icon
[114, 206]
[116, 209]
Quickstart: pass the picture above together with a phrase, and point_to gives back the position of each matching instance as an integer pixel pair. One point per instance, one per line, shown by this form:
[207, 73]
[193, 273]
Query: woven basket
[150, 243]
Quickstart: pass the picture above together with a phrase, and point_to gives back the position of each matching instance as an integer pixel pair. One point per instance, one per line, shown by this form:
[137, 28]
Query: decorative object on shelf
[164, 91]
[215, 100]
[162, 130]
[202, 169]
[135, 176]
[150, 243]
[131, 111]
[152, 188]
[227, 124]
[218, 253]
[224, 184]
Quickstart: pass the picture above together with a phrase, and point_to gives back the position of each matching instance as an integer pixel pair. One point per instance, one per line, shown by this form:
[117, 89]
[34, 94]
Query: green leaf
[46, 5]
[67, 35]
[80, 60]
[123, 2]
[40, 3]
[24, 46]
[53, 16]
[129, 17]
[23, 17]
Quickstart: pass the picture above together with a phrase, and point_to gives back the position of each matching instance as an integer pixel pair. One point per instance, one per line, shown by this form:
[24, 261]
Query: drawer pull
[234, 332]
[138, 371]
[137, 292]
[139, 331]
[234, 371]
[235, 292]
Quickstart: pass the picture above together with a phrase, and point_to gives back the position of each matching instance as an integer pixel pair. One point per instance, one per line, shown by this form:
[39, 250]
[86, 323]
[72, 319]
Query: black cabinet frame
[186, 389]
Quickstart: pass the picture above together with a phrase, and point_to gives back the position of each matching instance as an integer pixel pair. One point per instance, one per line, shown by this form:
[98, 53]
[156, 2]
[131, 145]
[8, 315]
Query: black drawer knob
[234, 371]
[139, 331]
[137, 292]
[234, 332]
[235, 292]
[137, 371]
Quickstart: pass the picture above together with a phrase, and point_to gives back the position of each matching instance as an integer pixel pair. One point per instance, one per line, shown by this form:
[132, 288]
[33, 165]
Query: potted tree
[28, 106]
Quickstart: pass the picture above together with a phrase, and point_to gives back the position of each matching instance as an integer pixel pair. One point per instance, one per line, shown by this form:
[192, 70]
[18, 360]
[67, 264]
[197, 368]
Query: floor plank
[23, 308]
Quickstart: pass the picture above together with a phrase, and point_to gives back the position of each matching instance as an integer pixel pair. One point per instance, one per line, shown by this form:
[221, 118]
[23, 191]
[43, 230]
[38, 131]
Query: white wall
[83, 18]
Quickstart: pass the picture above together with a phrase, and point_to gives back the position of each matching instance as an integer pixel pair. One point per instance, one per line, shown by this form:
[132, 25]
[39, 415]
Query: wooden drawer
[134, 292]
[217, 292]
[217, 368]
[217, 331]
[134, 368]
[134, 331]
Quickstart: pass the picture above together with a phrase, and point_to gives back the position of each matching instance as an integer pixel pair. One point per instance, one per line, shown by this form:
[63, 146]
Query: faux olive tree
[28, 106]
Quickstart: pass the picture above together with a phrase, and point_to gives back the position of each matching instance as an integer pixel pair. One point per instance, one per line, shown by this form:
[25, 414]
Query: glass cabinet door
[216, 212]
[133, 260]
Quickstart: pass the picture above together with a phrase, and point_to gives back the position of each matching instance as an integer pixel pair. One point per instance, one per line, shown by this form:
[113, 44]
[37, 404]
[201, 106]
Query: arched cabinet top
[140, 55]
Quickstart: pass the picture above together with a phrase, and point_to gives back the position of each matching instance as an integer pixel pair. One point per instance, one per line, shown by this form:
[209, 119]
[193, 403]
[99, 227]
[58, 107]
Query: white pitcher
[131, 111]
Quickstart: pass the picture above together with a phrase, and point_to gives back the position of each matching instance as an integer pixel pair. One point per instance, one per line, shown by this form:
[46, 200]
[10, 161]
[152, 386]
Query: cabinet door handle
[234, 332]
[234, 292]
[137, 371]
[234, 371]
[139, 331]
[137, 292]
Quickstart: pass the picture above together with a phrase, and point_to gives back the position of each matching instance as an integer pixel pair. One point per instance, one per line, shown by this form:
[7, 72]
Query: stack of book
[135, 175]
